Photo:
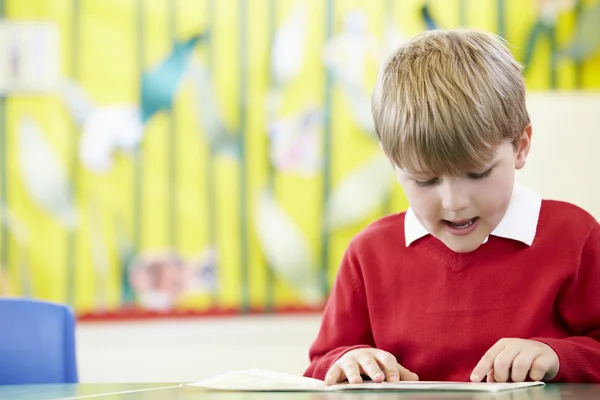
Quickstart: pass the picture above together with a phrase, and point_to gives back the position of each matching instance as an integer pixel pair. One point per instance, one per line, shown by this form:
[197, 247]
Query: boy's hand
[379, 365]
[514, 360]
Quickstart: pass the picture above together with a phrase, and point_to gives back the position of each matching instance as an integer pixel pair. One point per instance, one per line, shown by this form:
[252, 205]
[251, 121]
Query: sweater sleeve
[345, 324]
[579, 306]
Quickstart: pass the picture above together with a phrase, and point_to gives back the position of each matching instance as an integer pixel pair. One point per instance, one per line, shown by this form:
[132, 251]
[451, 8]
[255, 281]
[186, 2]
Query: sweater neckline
[458, 262]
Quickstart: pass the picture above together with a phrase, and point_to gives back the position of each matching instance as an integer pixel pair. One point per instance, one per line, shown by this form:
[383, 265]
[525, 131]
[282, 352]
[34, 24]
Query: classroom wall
[217, 156]
[188, 350]
[564, 159]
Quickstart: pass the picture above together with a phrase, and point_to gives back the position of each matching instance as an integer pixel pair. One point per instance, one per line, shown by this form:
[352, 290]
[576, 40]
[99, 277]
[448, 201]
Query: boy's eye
[482, 175]
[426, 183]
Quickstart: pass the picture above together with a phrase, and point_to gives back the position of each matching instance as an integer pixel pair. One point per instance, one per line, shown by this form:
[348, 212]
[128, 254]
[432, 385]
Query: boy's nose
[454, 199]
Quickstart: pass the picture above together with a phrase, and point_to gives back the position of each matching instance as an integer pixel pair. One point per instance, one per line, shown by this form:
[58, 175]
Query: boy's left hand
[514, 360]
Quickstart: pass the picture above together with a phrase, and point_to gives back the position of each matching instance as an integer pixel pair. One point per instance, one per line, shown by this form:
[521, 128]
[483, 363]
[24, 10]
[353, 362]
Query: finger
[539, 367]
[490, 376]
[389, 366]
[392, 375]
[334, 375]
[521, 366]
[487, 362]
[352, 371]
[406, 374]
[370, 367]
[503, 363]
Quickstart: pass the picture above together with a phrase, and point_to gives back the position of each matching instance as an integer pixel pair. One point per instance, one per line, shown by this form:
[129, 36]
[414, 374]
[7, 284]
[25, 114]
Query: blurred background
[162, 159]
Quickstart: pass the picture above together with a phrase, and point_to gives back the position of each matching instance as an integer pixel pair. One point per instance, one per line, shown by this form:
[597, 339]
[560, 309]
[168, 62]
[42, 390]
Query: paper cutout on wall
[289, 45]
[544, 29]
[159, 85]
[78, 103]
[586, 42]
[160, 279]
[359, 102]
[296, 143]
[286, 249]
[345, 54]
[203, 270]
[209, 114]
[43, 174]
[105, 129]
[360, 193]
[29, 57]
[428, 18]
[549, 10]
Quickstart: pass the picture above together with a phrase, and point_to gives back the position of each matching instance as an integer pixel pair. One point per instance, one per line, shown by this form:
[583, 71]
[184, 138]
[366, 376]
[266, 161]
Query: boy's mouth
[461, 224]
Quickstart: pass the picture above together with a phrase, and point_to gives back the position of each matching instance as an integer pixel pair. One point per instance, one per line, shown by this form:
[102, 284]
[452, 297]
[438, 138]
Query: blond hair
[444, 101]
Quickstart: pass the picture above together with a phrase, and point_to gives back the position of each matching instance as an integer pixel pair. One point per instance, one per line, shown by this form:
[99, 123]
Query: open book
[263, 381]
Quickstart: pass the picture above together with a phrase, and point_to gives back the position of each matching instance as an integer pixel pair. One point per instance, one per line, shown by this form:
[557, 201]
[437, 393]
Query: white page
[261, 380]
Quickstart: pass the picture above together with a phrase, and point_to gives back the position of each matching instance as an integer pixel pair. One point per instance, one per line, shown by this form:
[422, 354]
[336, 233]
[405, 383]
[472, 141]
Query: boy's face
[463, 210]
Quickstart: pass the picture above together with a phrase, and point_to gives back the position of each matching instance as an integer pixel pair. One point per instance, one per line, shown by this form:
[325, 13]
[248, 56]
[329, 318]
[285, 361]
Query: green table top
[160, 391]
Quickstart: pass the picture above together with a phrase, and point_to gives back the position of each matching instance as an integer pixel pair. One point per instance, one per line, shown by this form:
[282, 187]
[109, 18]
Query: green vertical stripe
[73, 151]
[327, 155]
[389, 13]
[243, 178]
[138, 167]
[578, 64]
[272, 21]
[501, 18]
[462, 13]
[209, 161]
[127, 293]
[4, 253]
[553, 67]
[172, 146]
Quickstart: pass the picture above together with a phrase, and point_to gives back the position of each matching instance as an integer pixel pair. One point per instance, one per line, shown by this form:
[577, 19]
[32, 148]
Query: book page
[262, 380]
[437, 386]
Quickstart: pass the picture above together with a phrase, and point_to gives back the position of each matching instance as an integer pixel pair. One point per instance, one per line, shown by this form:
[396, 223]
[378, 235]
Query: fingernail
[378, 375]
[393, 378]
[355, 379]
[475, 378]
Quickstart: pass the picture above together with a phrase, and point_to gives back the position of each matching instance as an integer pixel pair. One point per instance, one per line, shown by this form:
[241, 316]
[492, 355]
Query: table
[164, 391]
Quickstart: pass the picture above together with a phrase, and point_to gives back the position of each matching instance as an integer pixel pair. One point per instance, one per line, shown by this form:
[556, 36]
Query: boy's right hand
[379, 365]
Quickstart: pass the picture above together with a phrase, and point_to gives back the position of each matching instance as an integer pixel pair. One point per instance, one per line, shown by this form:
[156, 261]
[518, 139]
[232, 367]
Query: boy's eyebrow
[416, 174]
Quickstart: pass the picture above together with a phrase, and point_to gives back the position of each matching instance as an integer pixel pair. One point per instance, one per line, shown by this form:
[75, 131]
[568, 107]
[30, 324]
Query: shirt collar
[519, 223]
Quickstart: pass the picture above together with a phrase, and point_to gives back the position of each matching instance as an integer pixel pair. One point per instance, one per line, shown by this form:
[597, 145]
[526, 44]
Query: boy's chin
[463, 245]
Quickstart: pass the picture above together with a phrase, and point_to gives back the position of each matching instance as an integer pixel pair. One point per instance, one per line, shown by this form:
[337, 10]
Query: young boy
[480, 279]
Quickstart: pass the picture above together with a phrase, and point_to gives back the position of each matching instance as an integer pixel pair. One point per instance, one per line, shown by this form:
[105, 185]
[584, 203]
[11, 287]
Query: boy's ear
[523, 145]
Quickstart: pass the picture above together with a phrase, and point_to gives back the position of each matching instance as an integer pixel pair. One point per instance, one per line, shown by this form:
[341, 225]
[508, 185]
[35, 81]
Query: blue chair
[37, 342]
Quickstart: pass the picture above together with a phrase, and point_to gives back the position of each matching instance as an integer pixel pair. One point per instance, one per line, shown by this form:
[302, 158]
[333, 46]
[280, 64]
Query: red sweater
[439, 311]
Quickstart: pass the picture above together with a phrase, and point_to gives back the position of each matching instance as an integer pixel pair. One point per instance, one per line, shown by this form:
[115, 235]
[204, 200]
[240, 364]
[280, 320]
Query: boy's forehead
[409, 171]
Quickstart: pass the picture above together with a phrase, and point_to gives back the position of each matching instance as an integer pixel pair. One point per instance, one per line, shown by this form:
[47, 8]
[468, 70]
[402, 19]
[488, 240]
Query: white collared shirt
[519, 223]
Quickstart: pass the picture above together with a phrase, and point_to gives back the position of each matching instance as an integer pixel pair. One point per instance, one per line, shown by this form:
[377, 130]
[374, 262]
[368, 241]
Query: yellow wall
[104, 60]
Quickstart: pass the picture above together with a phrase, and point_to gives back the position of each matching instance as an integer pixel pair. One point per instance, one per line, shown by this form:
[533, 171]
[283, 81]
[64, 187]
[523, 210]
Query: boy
[480, 279]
